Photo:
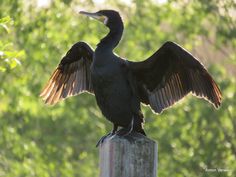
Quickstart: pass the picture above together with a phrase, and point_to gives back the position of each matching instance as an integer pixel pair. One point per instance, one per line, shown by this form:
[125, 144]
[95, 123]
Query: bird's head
[110, 18]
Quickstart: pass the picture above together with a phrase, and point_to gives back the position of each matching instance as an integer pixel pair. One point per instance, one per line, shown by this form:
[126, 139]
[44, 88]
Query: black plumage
[120, 85]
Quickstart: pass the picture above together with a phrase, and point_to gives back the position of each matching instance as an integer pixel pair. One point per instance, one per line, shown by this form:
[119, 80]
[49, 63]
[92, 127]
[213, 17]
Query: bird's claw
[103, 138]
[126, 131]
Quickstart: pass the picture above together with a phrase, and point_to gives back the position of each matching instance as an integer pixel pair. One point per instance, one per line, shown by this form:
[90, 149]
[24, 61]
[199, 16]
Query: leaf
[5, 19]
[3, 23]
[14, 62]
[5, 27]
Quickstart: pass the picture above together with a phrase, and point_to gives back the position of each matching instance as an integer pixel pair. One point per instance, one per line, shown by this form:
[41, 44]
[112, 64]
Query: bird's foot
[103, 138]
[126, 131]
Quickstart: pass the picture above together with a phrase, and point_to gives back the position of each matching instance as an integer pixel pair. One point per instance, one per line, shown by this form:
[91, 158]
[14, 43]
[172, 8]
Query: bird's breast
[112, 91]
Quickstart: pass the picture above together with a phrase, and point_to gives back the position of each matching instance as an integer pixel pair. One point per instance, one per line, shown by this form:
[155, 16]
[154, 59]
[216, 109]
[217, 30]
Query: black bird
[120, 85]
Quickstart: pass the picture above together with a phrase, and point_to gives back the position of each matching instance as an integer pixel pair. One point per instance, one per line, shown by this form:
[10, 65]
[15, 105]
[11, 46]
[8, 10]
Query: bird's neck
[112, 39]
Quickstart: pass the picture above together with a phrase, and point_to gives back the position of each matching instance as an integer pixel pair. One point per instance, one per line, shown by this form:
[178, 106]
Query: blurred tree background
[53, 141]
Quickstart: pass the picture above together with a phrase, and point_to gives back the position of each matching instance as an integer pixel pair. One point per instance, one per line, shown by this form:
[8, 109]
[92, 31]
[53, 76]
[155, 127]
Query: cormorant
[120, 85]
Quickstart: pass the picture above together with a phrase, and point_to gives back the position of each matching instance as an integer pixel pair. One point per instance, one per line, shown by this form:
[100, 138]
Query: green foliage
[38, 140]
[9, 57]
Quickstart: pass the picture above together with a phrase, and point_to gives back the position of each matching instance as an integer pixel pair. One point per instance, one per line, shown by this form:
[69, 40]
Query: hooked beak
[96, 15]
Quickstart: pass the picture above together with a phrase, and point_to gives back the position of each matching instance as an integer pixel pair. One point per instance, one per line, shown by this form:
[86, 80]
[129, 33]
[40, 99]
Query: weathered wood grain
[131, 156]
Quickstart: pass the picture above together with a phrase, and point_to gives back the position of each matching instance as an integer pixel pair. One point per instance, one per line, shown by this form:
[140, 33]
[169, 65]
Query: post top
[133, 155]
[131, 138]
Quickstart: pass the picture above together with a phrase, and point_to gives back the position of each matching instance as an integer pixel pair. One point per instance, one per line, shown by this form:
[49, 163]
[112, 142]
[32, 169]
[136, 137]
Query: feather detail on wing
[72, 76]
[169, 75]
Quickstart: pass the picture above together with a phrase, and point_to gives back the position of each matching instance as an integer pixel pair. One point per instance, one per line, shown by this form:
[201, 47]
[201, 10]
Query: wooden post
[133, 155]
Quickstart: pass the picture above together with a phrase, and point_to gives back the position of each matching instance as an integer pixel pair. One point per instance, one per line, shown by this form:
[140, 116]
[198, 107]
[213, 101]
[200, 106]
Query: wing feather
[169, 75]
[72, 76]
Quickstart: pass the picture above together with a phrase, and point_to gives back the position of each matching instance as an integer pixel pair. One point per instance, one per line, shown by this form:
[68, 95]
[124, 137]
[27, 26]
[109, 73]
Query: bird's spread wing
[72, 76]
[170, 74]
